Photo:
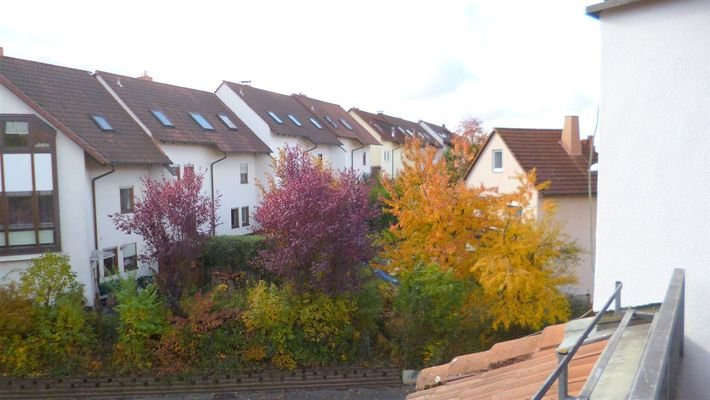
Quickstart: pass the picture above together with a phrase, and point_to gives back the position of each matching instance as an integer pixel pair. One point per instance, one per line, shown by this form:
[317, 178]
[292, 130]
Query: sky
[510, 63]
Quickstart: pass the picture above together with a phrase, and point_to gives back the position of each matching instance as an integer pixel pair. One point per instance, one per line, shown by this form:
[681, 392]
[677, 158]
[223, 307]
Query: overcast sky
[512, 63]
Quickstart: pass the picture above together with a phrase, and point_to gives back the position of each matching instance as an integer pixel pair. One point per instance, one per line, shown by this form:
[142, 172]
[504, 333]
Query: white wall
[74, 211]
[377, 153]
[654, 188]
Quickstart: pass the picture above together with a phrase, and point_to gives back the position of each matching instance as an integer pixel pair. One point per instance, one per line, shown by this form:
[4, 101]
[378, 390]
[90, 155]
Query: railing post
[562, 379]
[617, 300]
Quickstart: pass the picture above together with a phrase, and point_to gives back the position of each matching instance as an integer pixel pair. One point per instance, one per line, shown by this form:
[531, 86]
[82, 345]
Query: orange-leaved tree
[466, 142]
[518, 261]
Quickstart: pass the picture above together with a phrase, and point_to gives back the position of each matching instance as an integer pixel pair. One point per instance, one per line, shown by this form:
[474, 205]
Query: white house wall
[74, 211]
[653, 181]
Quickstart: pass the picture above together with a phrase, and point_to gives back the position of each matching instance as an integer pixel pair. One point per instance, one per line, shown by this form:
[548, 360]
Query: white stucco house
[560, 157]
[654, 187]
[70, 157]
[280, 120]
[392, 133]
[196, 130]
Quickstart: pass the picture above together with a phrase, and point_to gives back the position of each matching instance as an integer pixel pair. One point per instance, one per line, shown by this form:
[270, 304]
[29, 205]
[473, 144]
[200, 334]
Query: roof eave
[595, 10]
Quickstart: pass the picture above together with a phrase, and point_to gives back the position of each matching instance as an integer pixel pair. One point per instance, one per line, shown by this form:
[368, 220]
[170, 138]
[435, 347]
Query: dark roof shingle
[71, 96]
[336, 113]
[262, 101]
[542, 149]
[394, 129]
[176, 103]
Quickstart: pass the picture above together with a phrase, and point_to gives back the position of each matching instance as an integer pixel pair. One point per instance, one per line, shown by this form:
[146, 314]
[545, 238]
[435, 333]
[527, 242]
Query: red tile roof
[395, 129]
[336, 113]
[175, 102]
[440, 130]
[68, 97]
[262, 101]
[541, 149]
[515, 369]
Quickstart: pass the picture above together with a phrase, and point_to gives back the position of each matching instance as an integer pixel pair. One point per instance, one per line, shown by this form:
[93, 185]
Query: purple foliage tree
[175, 219]
[315, 221]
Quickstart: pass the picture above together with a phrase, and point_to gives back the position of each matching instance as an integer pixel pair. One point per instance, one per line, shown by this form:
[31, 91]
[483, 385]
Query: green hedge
[233, 253]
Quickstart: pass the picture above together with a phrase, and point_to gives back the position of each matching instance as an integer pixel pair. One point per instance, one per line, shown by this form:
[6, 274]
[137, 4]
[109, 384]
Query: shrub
[48, 278]
[325, 326]
[143, 317]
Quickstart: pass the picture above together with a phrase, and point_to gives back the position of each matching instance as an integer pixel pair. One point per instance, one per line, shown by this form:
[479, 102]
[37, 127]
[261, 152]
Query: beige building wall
[377, 153]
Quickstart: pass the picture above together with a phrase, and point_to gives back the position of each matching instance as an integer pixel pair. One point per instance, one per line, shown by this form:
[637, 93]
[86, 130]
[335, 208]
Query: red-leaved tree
[315, 221]
[175, 219]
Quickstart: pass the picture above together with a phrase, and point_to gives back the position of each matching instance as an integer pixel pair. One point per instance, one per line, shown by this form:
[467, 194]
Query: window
[29, 221]
[201, 121]
[387, 155]
[160, 116]
[346, 124]
[410, 131]
[294, 120]
[16, 133]
[188, 169]
[130, 257]
[126, 200]
[364, 158]
[102, 123]
[243, 173]
[320, 156]
[174, 170]
[330, 121]
[275, 117]
[245, 216]
[227, 122]
[497, 160]
[111, 262]
[235, 218]
[316, 123]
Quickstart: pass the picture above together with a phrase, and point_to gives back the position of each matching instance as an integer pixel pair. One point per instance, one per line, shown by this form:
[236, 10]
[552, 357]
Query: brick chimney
[570, 136]
[145, 77]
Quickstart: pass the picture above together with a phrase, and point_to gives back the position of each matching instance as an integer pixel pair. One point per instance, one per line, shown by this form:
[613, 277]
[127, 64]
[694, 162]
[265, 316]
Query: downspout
[352, 156]
[392, 160]
[315, 146]
[93, 204]
[212, 190]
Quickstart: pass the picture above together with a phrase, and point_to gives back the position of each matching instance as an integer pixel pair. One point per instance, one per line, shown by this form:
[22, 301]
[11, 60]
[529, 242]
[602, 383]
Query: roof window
[227, 121]
[346, 124]
[316, 123]
[202, 121]
[330, 121]
[102, 122]
[160, 116]
[275, 117]
[294, 120]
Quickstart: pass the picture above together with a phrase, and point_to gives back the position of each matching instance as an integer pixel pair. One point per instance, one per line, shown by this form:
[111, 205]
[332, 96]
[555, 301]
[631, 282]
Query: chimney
[145, 77]
[570, 136]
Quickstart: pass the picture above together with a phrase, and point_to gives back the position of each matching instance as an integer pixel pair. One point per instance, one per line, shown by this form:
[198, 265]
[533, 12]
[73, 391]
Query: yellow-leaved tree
[517, 259]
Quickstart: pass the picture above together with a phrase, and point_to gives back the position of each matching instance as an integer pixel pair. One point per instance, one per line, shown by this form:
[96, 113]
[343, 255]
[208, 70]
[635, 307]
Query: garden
[462, 270]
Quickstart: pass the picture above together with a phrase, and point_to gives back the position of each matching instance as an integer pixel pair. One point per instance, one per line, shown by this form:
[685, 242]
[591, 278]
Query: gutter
[212, 189]
[93, 204]
[352, 156]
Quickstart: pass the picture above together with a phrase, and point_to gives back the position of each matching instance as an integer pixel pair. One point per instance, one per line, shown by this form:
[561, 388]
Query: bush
[325, 327]
[143, 318]
[233, 253]
[49, 278]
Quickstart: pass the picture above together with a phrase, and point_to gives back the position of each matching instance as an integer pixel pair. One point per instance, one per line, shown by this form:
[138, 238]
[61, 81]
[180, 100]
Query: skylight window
[346, 124]
[275, 117]
[202, 121]
[160, 116]
[330, 121]
[410, 131]
[227, 121]
[316, 123]
[294, 120]
[400, 129]
[102, 122]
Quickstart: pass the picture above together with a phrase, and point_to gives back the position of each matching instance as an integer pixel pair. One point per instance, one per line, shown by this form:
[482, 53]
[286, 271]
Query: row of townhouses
[75, 146]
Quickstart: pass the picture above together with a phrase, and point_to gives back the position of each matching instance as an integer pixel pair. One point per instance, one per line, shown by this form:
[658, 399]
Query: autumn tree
[493, 239]
[466, 142]
[315, 221]
[175, 219]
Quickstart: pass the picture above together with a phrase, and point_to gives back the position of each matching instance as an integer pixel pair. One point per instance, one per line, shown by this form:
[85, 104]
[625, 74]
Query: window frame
[364, 158]
[199, 119]
[275, 117]
[245, 216]
[227, 122]
[41, 139]
[346, 124]
[132, 199]
[162, 118]
[117, 268]
[102, 123]
[124, 258]
[295, 120]
[243, 173]
[234, 215]
[495, 152]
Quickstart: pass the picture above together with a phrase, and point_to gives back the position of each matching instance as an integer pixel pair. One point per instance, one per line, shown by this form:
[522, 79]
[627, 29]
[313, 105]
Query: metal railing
[560, 373]
[660, 361]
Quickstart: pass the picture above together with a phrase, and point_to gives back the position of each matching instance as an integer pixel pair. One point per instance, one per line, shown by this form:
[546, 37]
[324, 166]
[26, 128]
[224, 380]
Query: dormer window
[330, 121]
[227, 122]
[275, 117]
[294, 120]
[346, 124]
[497, 160]
[162, 118]
[102, 123]
[201, 121]
[316, 123]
